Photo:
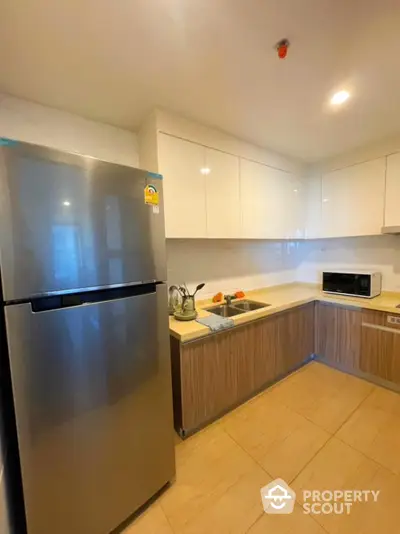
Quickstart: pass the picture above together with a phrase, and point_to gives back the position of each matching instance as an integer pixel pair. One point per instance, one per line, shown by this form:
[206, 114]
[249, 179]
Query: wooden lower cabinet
[215, 373]
[295, 338]
[380, 342]
[338, 335]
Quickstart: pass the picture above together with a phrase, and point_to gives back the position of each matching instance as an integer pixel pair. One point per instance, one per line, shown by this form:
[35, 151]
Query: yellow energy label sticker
[151, 195]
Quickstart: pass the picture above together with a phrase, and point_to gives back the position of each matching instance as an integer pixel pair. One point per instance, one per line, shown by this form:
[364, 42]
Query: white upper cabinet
[392, 209]
[353, 200]
[313, 203]
[182, 165]
[212, 194]
[295, 206]
[222, 195]
[272, 202]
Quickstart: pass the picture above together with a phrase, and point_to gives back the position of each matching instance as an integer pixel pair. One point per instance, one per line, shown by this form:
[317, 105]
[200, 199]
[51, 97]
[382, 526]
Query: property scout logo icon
[278, 498]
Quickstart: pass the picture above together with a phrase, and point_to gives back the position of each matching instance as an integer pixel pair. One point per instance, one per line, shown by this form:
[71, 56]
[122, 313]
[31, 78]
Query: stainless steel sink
[249, 305]
[236, 308]
[224, 310]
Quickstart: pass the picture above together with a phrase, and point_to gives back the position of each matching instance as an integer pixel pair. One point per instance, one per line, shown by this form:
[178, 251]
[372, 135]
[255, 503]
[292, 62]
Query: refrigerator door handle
[70, 300]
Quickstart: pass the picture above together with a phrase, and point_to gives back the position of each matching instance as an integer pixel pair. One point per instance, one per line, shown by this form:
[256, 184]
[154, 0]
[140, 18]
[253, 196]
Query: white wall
[378, 253]
[41, 125]
[230, 265]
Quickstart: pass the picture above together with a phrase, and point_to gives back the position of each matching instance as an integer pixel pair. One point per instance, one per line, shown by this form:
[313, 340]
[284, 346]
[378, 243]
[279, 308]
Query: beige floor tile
[371, 517]
[295, 523]
[374, 429]
[177, 439]
[208, 464]
[281, 440]
[235, 511]
[323, 395]
[385, 400]
[219, 473]
[287, 457]
[338, 466]
[385, 515]
[152, 521]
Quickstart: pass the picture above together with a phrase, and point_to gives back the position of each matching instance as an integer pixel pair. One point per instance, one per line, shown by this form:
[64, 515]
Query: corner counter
[281, 298]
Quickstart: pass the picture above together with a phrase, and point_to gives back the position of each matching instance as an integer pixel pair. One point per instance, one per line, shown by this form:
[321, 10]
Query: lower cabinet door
[220, 371]
[380, 354]
[338, 335]
[295, 338]
[326, 332]
[207, 380]
[264, 345]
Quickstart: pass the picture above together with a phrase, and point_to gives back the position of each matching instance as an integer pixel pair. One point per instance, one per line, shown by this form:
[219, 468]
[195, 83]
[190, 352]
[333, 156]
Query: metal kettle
[174, 299]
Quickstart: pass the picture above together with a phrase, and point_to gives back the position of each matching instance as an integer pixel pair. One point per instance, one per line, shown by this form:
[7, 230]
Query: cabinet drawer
[388, 320]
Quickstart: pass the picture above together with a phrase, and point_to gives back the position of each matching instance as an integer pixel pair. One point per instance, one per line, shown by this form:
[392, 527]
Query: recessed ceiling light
[340, 98]
[66, 203]
[205, 170]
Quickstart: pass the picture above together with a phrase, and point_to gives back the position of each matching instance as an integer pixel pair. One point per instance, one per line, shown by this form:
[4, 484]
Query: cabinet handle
[382, 328]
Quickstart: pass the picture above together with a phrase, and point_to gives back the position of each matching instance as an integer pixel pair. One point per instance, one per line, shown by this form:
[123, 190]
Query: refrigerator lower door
[93, 402]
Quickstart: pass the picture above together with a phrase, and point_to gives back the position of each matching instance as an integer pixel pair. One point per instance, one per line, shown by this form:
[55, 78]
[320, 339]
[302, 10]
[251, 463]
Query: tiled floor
[317, 429]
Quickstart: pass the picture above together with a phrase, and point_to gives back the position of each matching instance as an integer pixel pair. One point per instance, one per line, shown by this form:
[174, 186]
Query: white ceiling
[213, 61]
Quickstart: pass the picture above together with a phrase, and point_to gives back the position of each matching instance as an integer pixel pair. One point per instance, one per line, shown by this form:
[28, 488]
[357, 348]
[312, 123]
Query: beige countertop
[280, 298]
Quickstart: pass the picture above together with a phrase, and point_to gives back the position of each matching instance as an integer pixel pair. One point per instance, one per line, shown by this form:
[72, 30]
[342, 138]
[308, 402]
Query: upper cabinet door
[272, 202]
[353, 200]
[313, 201]
[392, 211]
[181, 163]
[295, 201]
[223, 195]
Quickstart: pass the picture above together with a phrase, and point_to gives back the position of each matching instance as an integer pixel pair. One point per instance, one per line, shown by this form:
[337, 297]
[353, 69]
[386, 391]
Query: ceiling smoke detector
[282, 48]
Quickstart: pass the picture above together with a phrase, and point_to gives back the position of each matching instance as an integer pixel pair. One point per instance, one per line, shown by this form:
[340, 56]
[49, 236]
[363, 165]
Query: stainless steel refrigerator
[85, 331]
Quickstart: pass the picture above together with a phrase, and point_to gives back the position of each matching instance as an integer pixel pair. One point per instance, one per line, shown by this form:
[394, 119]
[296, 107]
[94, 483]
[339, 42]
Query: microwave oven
[352, 284]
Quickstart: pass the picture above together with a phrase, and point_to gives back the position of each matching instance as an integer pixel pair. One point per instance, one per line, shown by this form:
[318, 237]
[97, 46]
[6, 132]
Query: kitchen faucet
[228, 299]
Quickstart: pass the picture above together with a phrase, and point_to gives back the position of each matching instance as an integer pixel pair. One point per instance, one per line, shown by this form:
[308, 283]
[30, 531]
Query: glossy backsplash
[230, 265]
[375, 253]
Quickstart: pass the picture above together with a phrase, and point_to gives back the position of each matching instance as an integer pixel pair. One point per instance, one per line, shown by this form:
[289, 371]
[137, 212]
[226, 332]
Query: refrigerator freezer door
[93, 402]
[70, 222]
